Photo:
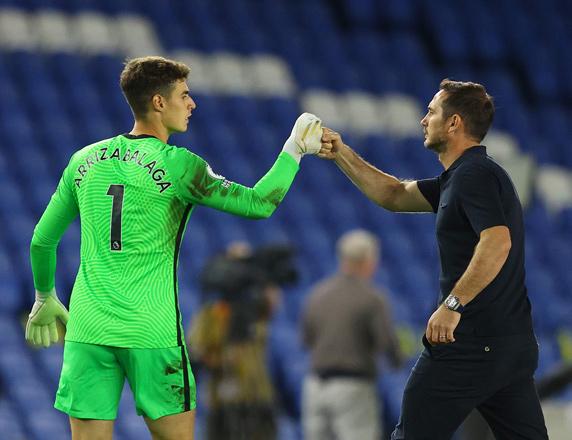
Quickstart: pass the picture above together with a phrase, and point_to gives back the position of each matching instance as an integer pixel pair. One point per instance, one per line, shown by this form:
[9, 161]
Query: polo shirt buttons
[487, 348]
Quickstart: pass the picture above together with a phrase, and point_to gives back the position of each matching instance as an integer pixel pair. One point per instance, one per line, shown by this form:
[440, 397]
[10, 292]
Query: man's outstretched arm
[197, 183]
[383, 189]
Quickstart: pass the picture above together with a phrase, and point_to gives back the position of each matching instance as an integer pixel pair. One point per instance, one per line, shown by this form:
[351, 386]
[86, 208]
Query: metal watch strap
[457, 307]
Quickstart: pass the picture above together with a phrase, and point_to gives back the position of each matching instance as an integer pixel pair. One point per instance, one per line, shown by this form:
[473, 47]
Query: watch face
[451, 302]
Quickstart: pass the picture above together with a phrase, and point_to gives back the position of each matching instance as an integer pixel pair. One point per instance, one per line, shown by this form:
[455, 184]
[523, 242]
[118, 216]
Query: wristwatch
[453, 303]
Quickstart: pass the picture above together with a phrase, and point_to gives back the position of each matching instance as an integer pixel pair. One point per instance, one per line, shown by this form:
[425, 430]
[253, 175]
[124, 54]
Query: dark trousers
[494, 375]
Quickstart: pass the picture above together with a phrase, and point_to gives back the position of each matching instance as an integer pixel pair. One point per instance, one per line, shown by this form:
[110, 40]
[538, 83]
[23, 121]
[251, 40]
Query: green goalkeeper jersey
[134, 195]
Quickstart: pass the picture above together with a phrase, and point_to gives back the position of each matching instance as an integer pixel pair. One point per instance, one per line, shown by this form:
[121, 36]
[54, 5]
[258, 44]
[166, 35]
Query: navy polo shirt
[475, 194]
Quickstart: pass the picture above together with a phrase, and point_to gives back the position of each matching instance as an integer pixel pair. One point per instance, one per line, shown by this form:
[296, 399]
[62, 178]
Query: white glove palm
[41, 327]
[306, 136]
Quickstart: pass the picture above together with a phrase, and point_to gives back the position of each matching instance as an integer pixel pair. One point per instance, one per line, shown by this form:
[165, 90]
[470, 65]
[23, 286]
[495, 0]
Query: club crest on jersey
[213, 174]
[138, 158]
[225, 183]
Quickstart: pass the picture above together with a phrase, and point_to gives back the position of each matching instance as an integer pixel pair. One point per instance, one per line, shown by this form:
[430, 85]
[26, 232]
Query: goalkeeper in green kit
[134, 194]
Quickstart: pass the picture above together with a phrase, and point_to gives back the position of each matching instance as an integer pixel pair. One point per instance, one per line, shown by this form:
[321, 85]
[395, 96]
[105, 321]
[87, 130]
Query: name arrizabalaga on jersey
[157, 174]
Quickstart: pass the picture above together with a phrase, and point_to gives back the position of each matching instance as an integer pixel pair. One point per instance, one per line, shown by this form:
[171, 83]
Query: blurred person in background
[480, 348]
[229, 338]
[134, 194]
[346, 325]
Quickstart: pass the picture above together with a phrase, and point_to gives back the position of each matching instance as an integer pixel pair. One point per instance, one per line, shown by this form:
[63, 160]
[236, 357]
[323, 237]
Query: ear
[158, 103]
[454, 123]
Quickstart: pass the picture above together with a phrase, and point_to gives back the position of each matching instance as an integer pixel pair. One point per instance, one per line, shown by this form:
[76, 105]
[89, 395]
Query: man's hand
[306, 136]
[41, 329]
[331, 144]
[441, 326]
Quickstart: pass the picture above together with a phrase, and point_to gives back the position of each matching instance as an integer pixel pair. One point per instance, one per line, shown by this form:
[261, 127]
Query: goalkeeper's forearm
[260, 201]
[379, 187]
[43, 262]
[47, 235]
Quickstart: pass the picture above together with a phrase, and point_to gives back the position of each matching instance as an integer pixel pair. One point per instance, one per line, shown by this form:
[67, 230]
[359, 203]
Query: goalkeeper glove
[41, 327]
[306, 136]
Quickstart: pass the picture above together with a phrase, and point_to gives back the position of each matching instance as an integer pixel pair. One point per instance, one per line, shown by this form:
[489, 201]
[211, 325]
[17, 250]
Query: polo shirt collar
[469, 153]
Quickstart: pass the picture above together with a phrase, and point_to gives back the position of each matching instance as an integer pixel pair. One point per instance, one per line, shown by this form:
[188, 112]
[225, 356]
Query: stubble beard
[438, 145]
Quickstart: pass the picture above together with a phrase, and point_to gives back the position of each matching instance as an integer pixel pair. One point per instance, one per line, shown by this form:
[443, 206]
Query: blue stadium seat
[12, 335]
[549, 355]
[288, 428]
[11, 297]
[133, 426]
[20, 228]
[27, 394]
[361, 13]
[565, 222]
[18, 128]
[485, 32]
[391, 385]
[13, 201]
[42, 424]
[449, 34]
[399, 14]
[10, 420]
[49, 361]
[288, 363]
[117, 6]
[8, 93]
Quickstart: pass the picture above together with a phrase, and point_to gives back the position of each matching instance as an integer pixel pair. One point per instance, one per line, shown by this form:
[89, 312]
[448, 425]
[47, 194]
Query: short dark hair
[472, 102]
[144, 77]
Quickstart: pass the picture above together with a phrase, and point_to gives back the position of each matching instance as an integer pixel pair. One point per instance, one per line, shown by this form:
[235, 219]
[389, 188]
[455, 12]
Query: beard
[437, 144]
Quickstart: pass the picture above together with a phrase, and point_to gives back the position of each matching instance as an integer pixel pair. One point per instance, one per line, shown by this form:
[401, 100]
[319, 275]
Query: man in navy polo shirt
[480, 349]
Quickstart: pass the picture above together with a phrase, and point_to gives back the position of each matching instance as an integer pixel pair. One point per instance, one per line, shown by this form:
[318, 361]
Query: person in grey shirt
[345, 326]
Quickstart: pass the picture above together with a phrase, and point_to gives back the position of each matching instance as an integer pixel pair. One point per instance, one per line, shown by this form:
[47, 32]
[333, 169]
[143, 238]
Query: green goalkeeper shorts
[92, 380]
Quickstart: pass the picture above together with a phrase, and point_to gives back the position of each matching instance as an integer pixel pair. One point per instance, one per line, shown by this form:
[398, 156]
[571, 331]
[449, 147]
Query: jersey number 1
[116, 191]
